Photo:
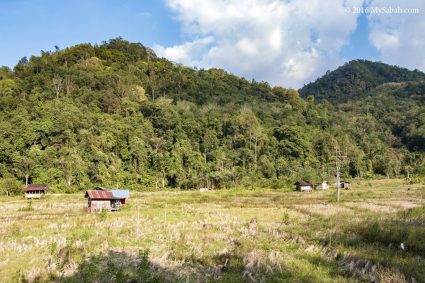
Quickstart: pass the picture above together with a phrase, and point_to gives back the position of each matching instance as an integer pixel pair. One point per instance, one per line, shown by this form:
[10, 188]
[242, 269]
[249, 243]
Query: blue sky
[359, 46]
[283, 42]
[28, 26]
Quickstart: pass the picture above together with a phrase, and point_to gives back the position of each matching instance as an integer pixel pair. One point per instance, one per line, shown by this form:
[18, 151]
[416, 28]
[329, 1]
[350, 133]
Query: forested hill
[115, 114]
[356, 78]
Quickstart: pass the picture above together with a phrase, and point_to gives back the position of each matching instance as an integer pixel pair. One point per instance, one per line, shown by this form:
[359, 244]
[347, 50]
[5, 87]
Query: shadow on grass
[121, 267]
[397, 242]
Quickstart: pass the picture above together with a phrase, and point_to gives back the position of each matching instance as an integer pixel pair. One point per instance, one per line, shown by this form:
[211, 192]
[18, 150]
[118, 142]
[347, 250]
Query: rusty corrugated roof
[95, 194]
[34, 187]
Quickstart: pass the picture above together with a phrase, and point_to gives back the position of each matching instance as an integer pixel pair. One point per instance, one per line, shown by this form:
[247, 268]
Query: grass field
[220, 236]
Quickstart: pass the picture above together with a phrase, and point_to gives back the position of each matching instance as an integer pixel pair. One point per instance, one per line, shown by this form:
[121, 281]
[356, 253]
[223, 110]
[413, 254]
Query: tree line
[116, 115]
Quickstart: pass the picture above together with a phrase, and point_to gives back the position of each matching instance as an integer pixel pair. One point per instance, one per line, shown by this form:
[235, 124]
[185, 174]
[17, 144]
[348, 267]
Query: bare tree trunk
[255, 149]
[57, 85]
[26, 179]
[250, 141]
[153, 94]
[69, 85]
[163, 178]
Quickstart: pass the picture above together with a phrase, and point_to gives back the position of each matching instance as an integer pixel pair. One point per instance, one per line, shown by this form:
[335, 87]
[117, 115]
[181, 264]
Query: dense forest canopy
[116, 115]
[355, 78]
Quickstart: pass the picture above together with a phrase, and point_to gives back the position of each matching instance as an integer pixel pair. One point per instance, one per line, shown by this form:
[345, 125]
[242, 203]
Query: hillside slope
[355, 78]
[115, 114]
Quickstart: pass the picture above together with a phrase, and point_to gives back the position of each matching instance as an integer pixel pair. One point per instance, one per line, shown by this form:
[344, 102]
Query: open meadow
[376, 233]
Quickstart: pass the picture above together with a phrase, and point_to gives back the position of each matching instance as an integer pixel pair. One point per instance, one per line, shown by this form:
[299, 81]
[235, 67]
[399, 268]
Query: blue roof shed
[121, 193]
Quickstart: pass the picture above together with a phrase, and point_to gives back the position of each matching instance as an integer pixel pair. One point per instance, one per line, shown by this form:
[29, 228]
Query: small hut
[101, 199]
[120, 196]
[304, 186]
[344, 185]
[322, 186]
[35, 191]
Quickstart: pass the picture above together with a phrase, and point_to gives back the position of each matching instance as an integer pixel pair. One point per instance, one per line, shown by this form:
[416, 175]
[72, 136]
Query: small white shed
[304, 186]
[322, 186]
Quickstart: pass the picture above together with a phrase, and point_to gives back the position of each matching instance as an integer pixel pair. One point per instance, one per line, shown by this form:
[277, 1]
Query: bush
[9, 185]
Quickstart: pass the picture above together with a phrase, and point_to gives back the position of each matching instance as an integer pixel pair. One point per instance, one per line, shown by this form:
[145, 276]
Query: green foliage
[112, 267]
[356, 77]
[144, 269]
[396, 232]
[116, 114]
[9, 185]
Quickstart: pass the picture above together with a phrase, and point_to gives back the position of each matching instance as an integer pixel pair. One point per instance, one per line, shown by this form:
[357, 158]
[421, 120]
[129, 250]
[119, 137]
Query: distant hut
[304, 186]
[120, 196]
[35, 190]
[101, 199]
[322, 186]
[344, 185]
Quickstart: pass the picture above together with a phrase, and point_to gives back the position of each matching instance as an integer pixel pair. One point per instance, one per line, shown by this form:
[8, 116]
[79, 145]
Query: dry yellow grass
[216, 236]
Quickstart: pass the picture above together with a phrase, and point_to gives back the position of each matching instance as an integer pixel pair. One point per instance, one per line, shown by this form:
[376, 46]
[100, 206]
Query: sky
[283, 42]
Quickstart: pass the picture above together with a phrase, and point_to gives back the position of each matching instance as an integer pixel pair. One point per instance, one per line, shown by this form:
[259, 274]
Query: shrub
[9, 185]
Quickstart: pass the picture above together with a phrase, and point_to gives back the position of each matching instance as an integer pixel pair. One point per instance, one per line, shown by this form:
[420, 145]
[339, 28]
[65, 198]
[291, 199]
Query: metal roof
[35, 187]
[303, 183]
[94, 194]
[120, 193]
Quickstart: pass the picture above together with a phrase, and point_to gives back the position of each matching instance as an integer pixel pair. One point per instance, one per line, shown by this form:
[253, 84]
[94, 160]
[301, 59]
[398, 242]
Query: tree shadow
[121, 267]
[114, 266]
[396, 242]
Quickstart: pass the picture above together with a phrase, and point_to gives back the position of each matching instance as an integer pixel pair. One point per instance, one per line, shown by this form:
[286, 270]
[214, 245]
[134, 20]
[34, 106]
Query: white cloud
[400, 37]
[187, 52]
[285, 43]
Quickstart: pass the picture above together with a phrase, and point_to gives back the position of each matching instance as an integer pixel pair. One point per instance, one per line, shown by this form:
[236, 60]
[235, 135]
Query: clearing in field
[375, 233]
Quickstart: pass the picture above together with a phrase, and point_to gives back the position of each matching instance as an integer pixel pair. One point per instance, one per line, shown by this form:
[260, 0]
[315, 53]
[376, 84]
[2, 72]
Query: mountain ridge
[357, 77]
[115, 113]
